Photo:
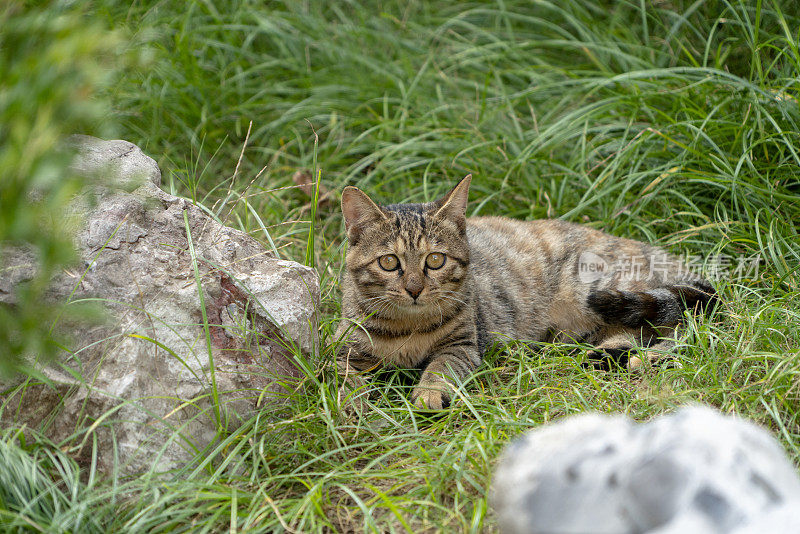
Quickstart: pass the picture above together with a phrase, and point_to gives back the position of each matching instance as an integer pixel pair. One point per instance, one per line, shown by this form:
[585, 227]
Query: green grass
[674, 123]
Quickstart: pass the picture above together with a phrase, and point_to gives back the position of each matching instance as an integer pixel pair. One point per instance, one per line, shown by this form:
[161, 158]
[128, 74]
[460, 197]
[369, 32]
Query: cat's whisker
[376, 305]
[441, 313]
[387, 304]
[452, 299]
[448, 296]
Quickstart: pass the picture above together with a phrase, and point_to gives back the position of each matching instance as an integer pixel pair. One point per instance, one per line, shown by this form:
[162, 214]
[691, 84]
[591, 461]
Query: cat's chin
[416, 310]
[412, 308]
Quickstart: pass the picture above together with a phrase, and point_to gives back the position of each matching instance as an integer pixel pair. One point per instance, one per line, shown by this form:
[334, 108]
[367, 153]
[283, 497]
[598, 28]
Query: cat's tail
[662, 306]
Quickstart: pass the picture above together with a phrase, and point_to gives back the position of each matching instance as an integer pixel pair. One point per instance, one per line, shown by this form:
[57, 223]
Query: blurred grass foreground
[672, 122]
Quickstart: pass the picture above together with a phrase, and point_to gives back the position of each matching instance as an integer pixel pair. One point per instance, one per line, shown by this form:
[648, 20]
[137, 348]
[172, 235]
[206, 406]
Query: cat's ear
[358, 209]
[454, 204]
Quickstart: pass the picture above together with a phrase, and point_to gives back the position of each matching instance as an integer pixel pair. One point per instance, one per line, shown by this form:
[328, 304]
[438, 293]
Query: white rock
[135, 257]
[693, 471]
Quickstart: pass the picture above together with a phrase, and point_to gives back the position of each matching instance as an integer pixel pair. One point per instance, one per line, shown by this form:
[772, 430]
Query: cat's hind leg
[655, 313]
[615, 349]
[630, 348]
[660, 349]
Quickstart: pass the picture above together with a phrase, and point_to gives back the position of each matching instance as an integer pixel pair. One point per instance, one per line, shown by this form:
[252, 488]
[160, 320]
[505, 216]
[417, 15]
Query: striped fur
[532, 280]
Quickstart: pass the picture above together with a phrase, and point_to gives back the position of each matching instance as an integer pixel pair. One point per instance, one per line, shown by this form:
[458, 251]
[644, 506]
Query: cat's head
[407, 259]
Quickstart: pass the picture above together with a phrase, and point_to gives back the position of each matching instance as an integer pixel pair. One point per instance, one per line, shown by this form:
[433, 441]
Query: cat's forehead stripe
[406, 209]
[410, 225]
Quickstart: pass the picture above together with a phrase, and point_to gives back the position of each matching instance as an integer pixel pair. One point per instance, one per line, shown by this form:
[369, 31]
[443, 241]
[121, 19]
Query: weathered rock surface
[144, 376]
[119, 164]
[694, 471]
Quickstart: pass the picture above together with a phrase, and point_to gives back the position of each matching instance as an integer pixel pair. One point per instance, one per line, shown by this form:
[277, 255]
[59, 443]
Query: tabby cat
[426, 287]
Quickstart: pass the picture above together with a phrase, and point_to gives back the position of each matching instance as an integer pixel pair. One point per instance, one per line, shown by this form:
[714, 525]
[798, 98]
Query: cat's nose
[414, 290]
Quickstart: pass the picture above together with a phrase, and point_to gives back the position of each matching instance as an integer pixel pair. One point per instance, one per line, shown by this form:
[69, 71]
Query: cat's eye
[389, 262]
[435, 260]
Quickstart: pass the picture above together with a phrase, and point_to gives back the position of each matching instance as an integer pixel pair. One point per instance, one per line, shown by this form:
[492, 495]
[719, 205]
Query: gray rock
[118, 163]
[143, 377]
[694, 471]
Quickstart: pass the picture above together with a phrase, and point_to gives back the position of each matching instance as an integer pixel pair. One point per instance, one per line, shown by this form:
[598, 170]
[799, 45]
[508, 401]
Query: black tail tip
[625, 308]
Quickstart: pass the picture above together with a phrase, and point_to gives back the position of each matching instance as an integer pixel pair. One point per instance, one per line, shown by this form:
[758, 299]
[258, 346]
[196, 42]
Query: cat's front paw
[432, 396]
[353, 395]
[353, 402]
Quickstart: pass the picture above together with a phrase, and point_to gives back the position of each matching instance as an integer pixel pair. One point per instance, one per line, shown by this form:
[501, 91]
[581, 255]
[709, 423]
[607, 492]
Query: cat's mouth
[414, 306]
